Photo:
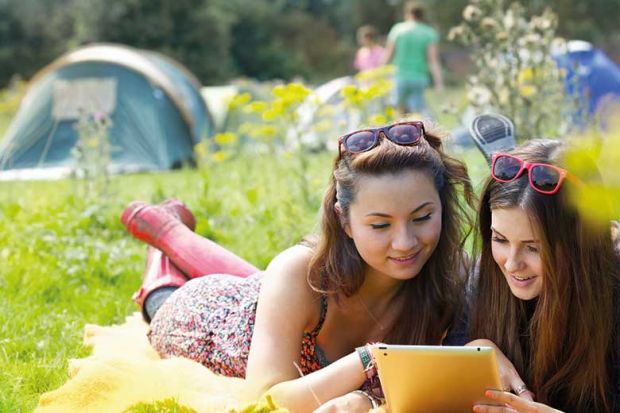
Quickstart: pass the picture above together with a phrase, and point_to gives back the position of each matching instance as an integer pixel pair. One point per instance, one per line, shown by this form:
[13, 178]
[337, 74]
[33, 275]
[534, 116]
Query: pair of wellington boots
[176, 253]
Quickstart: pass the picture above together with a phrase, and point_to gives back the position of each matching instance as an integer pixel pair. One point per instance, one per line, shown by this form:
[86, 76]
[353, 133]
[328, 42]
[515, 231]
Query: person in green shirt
[412, 46]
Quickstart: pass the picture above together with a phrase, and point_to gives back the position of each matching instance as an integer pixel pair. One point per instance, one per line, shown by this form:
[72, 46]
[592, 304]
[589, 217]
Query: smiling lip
[522, 282]
[409, 259]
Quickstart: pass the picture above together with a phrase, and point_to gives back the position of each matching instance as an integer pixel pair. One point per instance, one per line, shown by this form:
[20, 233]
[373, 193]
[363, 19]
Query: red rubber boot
[194, 255]
[160, 272]
[181, 211]
[173, 206]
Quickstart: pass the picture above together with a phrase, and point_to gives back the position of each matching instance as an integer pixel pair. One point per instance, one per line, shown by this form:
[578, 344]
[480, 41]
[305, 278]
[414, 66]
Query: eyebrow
[529, 241]
[381, 214]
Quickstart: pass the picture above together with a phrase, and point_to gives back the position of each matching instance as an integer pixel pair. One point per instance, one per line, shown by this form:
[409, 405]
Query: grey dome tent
[157, 113]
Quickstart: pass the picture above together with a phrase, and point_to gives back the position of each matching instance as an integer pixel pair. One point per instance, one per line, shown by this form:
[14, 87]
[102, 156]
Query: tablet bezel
[448, 378]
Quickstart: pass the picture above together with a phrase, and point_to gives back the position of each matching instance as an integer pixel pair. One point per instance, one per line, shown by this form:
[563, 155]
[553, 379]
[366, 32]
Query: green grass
[5, 121]
[65, 259]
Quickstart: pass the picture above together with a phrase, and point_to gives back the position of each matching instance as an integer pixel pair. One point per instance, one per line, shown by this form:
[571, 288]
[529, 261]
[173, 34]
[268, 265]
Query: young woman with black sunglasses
[547, 292]
[384, 267]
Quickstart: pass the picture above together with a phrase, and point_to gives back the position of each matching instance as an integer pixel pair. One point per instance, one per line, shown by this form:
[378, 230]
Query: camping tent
[591, 76]
[156, 111]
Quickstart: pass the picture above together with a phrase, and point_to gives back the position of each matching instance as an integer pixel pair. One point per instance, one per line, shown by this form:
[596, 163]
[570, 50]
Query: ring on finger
[521, 389]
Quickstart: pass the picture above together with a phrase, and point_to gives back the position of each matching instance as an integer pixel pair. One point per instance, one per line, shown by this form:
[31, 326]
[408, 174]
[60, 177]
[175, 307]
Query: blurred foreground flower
[596, 196]
[266, 405]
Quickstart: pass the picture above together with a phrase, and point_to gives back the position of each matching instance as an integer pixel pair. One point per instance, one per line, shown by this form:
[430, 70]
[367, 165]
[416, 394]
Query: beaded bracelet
[370, 371]
[365, 356]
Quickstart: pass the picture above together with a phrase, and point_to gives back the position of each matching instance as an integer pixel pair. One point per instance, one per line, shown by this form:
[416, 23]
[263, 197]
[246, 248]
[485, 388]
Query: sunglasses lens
[359, 141]
[404, 134]
[545, 178]
[506, 168]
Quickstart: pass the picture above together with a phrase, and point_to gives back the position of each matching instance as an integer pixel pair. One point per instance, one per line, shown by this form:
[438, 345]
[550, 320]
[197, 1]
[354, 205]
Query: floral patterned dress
[211, 320]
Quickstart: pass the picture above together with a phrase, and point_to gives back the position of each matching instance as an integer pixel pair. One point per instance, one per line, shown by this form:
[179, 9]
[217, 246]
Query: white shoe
[491, 133]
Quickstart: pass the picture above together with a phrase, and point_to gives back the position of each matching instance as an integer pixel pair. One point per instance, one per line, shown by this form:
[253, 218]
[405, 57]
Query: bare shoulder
[290, 269]
[286, 308]
[285, 291]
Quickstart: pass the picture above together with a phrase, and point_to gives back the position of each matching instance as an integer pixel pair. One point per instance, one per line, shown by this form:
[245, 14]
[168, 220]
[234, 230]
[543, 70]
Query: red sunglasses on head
[403, 133]
[543, 177]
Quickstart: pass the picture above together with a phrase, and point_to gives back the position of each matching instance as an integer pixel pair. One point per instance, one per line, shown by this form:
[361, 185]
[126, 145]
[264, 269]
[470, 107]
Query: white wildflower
[503, 95]
[542, 23]
[532, 39]
[488, 23]
[558, 46]
[471, 13]
[501, 36]
[479, 95]
[455, 33]
[509, 20]
[524, 54]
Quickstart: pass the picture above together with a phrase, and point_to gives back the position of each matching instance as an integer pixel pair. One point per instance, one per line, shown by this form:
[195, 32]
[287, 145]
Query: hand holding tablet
[511, 403]
[436, 379]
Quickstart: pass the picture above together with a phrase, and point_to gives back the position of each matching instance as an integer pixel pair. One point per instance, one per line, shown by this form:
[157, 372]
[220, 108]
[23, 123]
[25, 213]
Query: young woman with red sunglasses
[547, 291]
[384, 267]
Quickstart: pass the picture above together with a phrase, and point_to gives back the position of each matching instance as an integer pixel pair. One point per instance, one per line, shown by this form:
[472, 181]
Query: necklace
[377, 322]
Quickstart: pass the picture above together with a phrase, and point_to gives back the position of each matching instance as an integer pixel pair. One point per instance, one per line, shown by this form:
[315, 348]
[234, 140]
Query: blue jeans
[410, 95]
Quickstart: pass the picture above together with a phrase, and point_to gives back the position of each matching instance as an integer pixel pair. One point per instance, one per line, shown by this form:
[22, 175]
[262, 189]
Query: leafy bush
[515, 73]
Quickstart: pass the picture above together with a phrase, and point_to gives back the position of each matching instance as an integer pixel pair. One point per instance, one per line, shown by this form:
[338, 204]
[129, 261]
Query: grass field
[65, 259]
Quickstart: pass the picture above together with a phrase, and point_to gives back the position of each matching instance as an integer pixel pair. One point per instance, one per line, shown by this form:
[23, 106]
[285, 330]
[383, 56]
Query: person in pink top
[370, 54]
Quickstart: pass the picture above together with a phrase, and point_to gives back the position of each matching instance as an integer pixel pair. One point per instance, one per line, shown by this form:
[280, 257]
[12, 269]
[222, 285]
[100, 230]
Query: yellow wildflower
[227, 138]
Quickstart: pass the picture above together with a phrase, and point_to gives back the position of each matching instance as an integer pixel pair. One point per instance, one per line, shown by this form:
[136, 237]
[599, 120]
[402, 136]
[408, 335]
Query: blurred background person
[370, 54]
[412, 46]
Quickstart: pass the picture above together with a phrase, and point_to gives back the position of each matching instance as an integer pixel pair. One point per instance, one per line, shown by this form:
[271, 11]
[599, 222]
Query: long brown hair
[432, 298]
[562, 342]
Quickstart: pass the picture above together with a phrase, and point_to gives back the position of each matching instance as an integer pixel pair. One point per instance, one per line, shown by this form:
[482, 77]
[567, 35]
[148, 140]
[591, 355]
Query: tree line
[221, 39]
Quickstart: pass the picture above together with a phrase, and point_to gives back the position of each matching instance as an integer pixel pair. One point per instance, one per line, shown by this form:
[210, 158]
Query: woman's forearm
[307, 393]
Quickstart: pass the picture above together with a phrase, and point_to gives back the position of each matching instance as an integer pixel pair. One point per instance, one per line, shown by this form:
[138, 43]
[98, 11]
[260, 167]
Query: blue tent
[590, 75]
[157, 113]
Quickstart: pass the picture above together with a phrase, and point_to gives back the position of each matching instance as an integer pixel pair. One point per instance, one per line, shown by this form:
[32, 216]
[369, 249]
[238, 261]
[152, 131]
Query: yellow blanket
[124, 370]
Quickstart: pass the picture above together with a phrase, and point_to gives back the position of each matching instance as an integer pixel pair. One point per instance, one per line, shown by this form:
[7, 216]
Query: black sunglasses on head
[402, 133]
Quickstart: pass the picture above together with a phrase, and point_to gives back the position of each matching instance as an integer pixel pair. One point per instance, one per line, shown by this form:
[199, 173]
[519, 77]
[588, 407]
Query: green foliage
[581, 19]
[67, 261]
[92, 153]
[366, 100]
[215, 39]
[266, 405]
[196, 32]
[515, 73]
[273, 129]
[10, 99]
[161, 406]
[275, 126]
[220, 39]
[275, 41]
[32, 34]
